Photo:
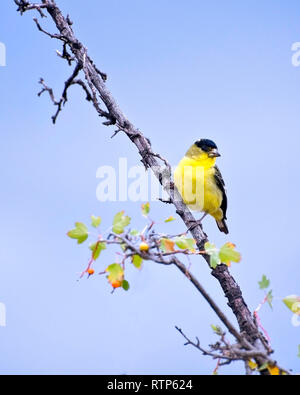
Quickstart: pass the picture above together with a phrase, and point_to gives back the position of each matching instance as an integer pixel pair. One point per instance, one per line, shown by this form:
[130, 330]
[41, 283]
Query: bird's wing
[221, 184]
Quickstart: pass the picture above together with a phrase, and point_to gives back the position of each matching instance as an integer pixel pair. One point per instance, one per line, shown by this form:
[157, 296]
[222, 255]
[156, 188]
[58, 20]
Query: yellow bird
[200, 183]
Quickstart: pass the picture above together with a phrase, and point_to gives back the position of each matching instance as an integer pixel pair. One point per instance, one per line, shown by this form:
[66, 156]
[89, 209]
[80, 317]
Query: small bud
[144, 247]
[116, 284]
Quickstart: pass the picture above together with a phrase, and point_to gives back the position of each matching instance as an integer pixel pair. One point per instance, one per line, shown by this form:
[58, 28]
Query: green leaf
[270, 298]
[80, 233]
[210, 248]
[170, 219]
[214, 261]
[263, 367]
[96, 221]
[146, 209]
[97, 248]
[185, 243]
[125, 285]
[116, 272]
[228, 254]
[167, 245]
[120, 222]
[137, 261]
[264, 283]
[123, 246]
[134, 232]
[218, 331]
[293, 303]
[213, 252]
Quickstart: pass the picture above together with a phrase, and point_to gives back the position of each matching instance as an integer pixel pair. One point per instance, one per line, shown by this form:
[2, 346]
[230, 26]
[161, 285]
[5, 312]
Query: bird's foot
[168, 201]
[195, 223]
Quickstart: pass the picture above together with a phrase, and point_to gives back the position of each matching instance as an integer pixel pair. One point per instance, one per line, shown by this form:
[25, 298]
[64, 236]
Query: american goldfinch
[200, 183]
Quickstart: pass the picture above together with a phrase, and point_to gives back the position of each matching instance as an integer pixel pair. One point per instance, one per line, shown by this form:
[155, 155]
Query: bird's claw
[194, 223]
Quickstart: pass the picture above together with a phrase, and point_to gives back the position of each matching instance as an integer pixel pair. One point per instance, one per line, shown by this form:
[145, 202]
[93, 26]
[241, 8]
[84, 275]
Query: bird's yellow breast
[195, 181]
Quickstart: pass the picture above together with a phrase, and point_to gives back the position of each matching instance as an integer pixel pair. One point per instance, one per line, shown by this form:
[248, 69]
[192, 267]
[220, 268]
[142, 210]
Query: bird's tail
[223, 226]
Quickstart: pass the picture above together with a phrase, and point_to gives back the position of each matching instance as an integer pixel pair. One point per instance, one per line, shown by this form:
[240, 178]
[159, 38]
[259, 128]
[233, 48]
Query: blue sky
[180, 71]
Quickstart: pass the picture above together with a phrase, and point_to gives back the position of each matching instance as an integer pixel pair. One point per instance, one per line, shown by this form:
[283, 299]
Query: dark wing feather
[221, 185]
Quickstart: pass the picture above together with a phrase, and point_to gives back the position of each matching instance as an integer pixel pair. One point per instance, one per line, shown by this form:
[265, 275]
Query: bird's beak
[214, 153]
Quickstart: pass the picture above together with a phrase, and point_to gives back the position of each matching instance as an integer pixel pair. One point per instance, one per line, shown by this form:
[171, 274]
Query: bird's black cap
[206, 145]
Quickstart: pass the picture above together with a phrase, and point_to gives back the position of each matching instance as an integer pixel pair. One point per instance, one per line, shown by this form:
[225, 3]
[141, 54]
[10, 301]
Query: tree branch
[228, 353]
[170, 259]
[24, 6]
